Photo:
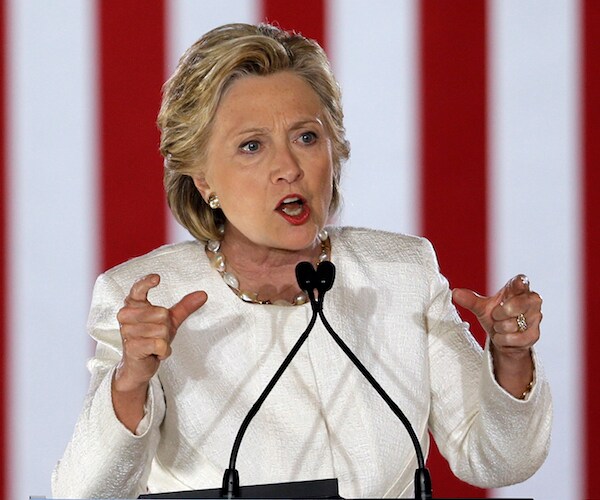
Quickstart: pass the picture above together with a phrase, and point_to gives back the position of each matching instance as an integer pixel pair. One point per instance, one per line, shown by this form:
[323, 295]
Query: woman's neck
[268, 272]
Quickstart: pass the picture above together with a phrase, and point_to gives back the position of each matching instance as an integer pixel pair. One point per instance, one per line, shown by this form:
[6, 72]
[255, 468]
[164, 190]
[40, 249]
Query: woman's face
[269, 161]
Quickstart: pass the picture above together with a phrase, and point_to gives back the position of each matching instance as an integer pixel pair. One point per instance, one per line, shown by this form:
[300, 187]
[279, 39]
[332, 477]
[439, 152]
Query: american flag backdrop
[475, 123]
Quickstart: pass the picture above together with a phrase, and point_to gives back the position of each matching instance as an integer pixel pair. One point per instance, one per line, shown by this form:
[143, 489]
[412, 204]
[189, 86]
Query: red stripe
[4, 213]
[132, 70]
[590, 22]
[453, 156]
[307, 17]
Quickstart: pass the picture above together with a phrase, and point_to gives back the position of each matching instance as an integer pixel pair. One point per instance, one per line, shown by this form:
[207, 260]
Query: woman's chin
[301, 242]
[299, 238]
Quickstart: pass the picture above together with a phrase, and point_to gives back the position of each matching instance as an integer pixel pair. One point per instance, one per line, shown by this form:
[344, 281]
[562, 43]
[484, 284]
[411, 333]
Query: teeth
[292, 205]
[292, 211]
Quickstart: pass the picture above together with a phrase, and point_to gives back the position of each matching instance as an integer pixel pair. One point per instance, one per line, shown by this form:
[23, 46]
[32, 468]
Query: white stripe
[373, 48]
[187, 21]
[534, 189]
[52, 234]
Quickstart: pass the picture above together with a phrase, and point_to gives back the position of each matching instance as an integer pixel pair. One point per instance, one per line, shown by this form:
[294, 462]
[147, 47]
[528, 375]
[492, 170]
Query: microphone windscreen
[325, 276]
[306, 276]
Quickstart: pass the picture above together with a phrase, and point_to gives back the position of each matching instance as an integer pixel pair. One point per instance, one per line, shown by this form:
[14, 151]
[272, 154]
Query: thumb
[470, 300]
[186, 306]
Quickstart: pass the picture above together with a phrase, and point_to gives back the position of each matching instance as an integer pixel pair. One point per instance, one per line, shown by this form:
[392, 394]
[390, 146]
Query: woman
[253, 141]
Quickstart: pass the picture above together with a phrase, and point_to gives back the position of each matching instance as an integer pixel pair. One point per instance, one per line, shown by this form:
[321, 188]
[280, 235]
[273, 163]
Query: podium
[317, 489]
[321, 488]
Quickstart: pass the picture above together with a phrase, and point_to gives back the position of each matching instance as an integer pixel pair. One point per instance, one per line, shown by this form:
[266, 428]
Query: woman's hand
[147, 332]
[512, 319]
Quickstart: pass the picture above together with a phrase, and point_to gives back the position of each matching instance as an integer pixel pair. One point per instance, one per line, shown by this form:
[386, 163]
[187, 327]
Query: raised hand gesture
[147, 332]
[511, 318]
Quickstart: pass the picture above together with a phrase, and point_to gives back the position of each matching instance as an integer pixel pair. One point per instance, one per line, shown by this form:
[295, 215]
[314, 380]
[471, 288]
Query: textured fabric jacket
[391, 306]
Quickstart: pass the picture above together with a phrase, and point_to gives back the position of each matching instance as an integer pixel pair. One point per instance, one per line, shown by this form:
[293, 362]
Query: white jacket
[391, 306]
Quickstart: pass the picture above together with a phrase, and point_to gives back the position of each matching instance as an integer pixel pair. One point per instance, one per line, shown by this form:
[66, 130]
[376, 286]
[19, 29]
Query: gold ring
[521, 323]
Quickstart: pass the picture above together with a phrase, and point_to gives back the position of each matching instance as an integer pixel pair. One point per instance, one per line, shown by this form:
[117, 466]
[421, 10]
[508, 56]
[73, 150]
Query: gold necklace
[217, 259]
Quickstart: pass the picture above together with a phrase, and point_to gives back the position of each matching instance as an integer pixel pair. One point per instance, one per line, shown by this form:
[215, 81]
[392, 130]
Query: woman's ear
[202, 186]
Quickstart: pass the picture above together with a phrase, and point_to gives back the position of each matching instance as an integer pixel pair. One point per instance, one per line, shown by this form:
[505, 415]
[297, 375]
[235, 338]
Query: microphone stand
[231, 480]
[322, 279]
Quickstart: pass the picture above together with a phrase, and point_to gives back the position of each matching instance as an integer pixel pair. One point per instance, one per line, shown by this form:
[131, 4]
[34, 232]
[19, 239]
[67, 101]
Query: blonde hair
[192, 94]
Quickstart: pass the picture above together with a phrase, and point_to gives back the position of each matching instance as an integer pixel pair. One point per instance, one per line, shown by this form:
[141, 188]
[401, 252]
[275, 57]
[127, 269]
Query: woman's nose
[286, 166]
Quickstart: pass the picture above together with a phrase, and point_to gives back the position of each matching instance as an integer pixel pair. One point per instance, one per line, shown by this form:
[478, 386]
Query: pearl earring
[213, 201]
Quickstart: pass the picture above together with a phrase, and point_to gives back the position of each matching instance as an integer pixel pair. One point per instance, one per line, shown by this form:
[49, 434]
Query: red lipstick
[294, 209]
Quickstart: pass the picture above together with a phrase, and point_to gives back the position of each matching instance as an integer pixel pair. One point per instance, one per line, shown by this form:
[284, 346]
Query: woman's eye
[308, 137]
[250, 147]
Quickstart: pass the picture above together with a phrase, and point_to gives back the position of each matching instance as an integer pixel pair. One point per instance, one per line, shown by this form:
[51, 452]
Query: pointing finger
[516, 286]
[139, 290]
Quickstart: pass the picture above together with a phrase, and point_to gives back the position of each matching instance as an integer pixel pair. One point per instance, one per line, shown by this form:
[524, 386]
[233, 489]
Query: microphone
[325, 276]
[321, 279]
[306, 277]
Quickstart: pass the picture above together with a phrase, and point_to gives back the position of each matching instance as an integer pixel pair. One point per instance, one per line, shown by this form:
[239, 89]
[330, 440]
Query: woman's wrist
[125, 382]
[128, 399]
[514, 370]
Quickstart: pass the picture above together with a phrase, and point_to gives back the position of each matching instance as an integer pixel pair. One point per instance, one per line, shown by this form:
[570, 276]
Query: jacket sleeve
[104, 459]
[490, 438]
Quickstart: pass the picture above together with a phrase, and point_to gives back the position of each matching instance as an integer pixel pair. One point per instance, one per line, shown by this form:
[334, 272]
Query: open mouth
[292, 206]
[294, 209]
